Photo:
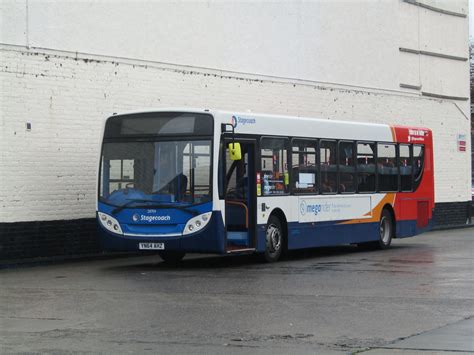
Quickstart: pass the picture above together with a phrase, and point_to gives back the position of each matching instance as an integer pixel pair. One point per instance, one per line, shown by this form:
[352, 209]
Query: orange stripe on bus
[394, 134]
[376, 211]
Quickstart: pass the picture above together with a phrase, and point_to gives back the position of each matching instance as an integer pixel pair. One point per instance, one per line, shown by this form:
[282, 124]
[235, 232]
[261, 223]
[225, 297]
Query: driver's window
[121, 174]
[127, 169]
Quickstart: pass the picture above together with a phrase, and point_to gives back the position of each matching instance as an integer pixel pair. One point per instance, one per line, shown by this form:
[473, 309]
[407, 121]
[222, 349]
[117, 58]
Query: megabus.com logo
[309, 208]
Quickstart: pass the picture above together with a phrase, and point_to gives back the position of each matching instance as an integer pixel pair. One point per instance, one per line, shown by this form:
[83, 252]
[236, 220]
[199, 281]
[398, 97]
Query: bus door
[240, 198]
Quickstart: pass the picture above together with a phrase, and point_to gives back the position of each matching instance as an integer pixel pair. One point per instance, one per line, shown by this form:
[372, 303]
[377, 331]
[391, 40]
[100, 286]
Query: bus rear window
[405, 163]
[418, 159]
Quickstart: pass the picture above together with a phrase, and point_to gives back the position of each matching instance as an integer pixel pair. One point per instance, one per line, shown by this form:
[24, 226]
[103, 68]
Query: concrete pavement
[416, 297]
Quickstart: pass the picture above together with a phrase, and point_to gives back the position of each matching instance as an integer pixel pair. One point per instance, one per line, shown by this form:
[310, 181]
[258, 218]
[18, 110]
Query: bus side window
[387, 167]
[274, 166]
[303, 166]
[366, 167]
[328, 166]
[405, 163]
[418, 160]
[347, 178]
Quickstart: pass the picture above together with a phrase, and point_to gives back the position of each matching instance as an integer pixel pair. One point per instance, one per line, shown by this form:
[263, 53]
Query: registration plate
[151, 246]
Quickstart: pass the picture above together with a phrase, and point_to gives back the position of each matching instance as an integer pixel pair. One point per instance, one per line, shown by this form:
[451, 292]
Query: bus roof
[296, 126]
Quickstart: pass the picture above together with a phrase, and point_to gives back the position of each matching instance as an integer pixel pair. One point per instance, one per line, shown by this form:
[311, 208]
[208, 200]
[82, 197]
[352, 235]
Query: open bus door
[240, 197]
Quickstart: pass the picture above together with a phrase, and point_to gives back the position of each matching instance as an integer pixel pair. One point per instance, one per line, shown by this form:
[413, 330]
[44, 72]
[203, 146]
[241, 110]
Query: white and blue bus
[201, 181]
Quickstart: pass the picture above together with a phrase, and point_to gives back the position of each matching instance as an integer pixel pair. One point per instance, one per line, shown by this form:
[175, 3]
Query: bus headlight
[197, 223]
[110, 223]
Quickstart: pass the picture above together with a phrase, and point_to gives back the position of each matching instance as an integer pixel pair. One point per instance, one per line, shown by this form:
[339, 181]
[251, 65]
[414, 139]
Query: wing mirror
[234, 148]
[234, 151]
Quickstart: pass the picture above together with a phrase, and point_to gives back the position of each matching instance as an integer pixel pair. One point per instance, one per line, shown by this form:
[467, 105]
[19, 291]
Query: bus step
[234, 250]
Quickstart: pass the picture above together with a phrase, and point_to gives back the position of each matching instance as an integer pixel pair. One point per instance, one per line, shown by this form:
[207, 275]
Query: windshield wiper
[183, 208]
[120, 208]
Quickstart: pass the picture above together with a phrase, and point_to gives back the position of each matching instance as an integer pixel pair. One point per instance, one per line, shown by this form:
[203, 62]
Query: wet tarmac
[416, 297]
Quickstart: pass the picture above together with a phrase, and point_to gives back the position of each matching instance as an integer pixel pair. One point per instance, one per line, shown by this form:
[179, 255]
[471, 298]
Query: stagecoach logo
[143, 218]
[242, 121]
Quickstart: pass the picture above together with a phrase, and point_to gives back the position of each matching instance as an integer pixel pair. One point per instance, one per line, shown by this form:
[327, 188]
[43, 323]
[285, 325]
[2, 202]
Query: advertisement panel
[319, 209]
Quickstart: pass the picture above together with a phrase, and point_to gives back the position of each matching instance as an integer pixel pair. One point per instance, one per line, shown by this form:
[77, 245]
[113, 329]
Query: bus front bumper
[210, 240]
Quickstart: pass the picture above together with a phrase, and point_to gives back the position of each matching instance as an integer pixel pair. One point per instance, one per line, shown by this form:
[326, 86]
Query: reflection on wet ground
[313, 258]
[327, 300]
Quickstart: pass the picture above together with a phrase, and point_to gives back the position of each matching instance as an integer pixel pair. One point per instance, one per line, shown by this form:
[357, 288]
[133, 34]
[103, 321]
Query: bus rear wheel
[274, 240]
[172, 257]
[385, 232]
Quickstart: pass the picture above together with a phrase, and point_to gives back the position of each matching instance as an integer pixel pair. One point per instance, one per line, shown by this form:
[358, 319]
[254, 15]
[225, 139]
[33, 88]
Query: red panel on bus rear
[423, 214]
[417, 205]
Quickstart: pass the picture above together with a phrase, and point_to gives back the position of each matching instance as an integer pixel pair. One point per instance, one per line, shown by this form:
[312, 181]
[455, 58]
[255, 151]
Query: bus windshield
[155, 172]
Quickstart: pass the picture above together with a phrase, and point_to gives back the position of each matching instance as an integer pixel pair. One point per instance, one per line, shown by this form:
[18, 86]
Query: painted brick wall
[49, 173]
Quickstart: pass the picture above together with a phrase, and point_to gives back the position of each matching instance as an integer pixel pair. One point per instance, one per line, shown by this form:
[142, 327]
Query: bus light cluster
[110, 223]
[197, 223]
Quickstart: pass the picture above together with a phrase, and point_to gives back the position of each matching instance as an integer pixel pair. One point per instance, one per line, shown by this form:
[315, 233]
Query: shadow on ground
[205, 262]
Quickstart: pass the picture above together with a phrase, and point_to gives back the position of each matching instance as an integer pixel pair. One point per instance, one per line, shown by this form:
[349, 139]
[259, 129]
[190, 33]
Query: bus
[179, 181]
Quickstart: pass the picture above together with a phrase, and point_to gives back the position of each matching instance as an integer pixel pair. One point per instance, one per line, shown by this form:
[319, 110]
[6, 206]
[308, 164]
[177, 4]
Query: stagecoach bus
[180, 180]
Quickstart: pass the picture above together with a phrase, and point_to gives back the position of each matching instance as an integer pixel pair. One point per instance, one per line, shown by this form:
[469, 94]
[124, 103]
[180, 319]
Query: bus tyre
[274, 240]
[172, 257]
[385, 231]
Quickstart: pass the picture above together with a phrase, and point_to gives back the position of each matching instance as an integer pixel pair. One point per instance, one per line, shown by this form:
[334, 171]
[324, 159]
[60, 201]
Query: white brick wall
[50, 172]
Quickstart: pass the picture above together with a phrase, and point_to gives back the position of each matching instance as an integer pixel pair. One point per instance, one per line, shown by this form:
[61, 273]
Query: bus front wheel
[172, 257]
[274, 240]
